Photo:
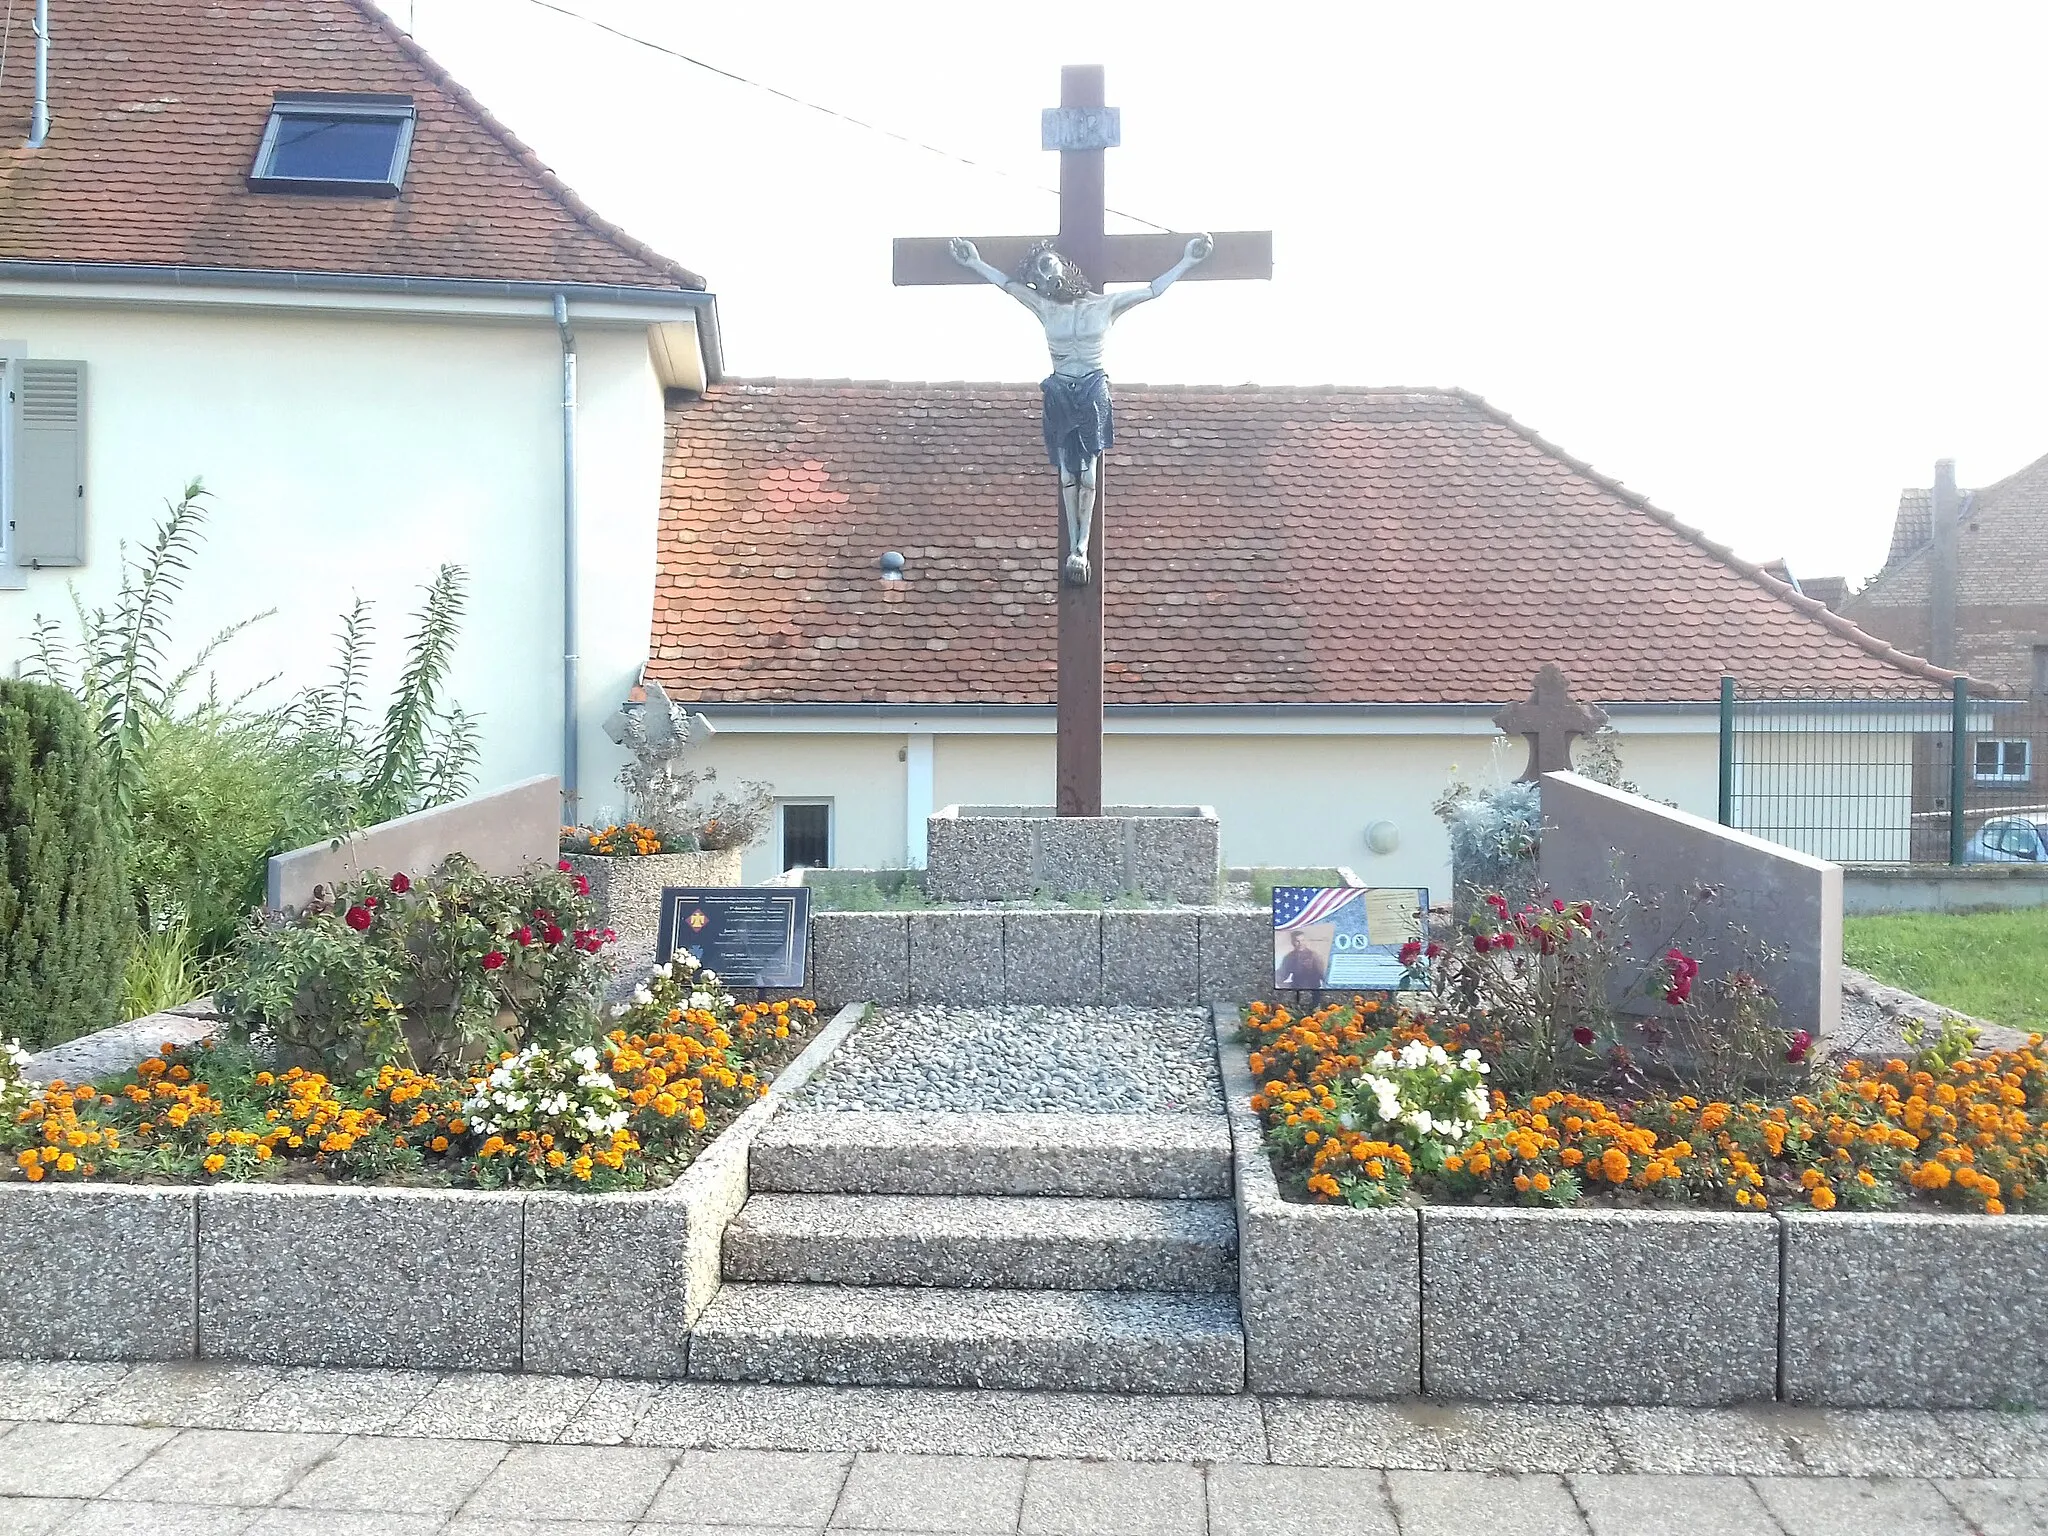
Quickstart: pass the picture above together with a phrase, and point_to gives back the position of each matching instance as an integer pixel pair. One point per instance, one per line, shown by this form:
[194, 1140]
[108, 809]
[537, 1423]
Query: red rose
[1802, 1042]
[1434, 949]
[608, 935]
[370, 902]
[1411, 951]
[1557, 903]
[582, 885]
[400, 884]
[563, 866]
[523, 934]
[358, 918]
[494, 959]
[552, 934]
[1481, 943]
[1505, 941]
[1583, 1035]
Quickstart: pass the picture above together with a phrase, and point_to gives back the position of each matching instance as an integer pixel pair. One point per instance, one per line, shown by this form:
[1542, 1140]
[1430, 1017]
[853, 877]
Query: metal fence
[1914, 778]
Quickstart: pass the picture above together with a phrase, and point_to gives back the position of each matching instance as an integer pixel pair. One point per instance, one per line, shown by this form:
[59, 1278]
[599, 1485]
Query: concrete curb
[346, 1275]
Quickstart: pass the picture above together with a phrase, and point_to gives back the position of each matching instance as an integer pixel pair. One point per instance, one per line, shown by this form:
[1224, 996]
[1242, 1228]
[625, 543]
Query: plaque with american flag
[1345, 937]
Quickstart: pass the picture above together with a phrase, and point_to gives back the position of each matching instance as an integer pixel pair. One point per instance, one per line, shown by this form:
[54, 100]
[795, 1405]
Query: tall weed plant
[212, 786]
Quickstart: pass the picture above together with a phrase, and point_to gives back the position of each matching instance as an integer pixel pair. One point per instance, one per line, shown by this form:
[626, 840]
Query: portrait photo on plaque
[751, 935]
[1344, 937]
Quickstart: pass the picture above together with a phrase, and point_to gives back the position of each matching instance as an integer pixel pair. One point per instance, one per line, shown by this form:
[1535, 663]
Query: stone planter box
[1890, 1310]
[628, 891]
[335, 1275]
[1328, 1295]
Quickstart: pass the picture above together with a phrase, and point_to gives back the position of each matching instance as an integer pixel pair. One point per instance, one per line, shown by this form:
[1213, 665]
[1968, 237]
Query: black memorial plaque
[751, 935]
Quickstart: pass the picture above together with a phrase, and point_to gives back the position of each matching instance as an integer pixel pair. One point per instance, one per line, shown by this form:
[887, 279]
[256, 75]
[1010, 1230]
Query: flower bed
[629, 1110]
[1968, 1133]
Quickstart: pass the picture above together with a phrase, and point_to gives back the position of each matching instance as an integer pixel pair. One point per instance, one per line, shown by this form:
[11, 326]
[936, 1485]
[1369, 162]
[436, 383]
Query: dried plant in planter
[669, 797]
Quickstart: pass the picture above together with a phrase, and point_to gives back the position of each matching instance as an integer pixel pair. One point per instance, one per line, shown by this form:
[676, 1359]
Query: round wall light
[1383, 837]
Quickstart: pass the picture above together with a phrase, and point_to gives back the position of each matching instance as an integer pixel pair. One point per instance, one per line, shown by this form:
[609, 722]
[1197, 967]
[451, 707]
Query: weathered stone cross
[1550, 717]
[1081, 127]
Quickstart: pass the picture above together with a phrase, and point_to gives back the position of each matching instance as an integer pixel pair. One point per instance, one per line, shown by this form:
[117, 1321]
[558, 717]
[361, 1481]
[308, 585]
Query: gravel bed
[1059, 1060]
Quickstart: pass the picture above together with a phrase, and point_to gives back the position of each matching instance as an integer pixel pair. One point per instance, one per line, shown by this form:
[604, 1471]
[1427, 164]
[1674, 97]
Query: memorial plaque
[1344, 937]
[751, 935]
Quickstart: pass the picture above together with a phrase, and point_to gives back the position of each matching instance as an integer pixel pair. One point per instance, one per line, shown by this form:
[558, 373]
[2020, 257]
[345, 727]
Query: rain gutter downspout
[569, 646]
[39, 116]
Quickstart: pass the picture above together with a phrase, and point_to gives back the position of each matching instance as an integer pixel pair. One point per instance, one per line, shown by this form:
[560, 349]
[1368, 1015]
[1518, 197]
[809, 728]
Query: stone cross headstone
[1550, 718]
[1062, 278]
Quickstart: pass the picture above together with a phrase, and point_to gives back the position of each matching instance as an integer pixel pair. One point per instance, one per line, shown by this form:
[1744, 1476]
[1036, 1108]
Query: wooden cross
[1550, 717]
[1081, 127]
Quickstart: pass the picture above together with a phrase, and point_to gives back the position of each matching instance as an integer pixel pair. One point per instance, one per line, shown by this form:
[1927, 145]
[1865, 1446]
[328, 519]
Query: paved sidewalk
[190, 1450]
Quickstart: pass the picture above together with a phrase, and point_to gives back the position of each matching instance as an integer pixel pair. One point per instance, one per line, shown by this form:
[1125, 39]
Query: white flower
[1420, 1120]
[709, 978]
[618, 1010]
[1382, 1061]
[1414, 1054]
[642, 996]
[1436, 1056]
[1469, 1059]
[700, 1000]
[687, 961]
[1477, 1100]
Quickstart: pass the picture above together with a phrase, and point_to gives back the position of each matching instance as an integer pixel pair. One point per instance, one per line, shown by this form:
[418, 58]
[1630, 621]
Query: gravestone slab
[504, 832]
[1015, 852]
[1599, 843]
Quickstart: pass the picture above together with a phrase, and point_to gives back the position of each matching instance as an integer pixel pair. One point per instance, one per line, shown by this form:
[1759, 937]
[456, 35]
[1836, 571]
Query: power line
[831, 112]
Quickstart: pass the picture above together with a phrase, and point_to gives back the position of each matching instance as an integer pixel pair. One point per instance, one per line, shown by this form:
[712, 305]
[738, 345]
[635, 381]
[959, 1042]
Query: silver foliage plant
[669, 795]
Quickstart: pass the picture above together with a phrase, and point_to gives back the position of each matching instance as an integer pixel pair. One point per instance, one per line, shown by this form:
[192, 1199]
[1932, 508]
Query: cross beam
[1081, 127]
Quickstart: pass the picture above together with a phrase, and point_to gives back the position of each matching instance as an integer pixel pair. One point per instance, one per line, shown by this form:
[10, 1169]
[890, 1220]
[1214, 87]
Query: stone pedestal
[628, 890]
[1024, 852]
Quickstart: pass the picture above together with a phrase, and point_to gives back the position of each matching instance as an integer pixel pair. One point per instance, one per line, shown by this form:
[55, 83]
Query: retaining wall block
[1237, 956]
[1599, 1306]
[1890, 1310]
[1177, 858]
[1052, 957]
[956, 957]
[1151, 959]
[337, 1276]
[978, 858]
[96, 1272]
[1080, 853]
[860, 957]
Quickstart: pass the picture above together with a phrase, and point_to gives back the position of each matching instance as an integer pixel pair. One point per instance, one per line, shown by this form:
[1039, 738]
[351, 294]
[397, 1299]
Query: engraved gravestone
[1603, 843]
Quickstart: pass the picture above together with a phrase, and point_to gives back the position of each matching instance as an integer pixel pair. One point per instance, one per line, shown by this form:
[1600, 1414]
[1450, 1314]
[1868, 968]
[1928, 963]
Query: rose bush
[434, 972]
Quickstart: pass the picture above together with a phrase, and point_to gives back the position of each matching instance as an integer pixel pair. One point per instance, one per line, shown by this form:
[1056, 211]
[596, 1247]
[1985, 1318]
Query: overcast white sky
[1765, 263]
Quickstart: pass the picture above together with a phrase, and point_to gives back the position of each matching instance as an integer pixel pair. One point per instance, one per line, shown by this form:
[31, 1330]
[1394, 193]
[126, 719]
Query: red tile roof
[1264, 546]
[158, 107]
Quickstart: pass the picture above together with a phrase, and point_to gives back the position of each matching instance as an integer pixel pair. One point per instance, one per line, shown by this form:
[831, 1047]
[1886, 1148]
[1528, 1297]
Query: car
[2009, 840]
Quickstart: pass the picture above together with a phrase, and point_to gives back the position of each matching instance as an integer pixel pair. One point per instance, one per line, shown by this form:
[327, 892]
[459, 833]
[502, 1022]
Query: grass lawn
[1990, 964]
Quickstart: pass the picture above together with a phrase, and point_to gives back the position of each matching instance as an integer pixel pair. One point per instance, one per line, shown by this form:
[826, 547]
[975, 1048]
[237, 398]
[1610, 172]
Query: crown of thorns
[1072, 284]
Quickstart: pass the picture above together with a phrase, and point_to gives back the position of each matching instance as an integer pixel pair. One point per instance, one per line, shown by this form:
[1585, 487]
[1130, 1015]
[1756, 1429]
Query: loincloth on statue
[1078, 427]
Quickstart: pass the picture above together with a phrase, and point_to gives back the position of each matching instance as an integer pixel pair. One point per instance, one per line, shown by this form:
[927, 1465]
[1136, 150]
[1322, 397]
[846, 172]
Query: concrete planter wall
[1328, 1295]
[1641, 1307]
[340, 1276]
[1013, 852]
[628, 891]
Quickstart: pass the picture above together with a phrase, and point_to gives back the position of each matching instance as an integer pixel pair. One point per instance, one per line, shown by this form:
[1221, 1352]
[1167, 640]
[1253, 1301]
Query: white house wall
[354, 454]
[1282, 799]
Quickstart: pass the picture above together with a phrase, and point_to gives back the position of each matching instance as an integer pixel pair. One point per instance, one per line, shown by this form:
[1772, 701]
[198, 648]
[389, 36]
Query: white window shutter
[49, 467]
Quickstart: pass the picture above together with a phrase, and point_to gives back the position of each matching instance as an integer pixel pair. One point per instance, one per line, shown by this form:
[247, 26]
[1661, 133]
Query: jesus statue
[1078, 427]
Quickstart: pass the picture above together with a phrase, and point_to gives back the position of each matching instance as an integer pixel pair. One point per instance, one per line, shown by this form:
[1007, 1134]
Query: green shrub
[435, 973]
[66, 914]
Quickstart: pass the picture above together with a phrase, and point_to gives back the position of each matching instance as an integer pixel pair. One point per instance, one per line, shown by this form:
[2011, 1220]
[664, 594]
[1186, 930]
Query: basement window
[2004, 762]
[342, 144]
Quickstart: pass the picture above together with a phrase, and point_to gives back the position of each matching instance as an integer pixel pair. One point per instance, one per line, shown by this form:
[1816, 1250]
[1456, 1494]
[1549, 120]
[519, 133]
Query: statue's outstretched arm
[1197, 252]
[968, 257]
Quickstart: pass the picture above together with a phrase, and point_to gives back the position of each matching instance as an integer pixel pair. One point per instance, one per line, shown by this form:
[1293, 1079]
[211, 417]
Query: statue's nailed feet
[1077, 572]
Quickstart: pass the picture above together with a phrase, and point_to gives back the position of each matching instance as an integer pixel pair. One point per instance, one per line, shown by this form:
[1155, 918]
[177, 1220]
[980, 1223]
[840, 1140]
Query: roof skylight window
[339, 143]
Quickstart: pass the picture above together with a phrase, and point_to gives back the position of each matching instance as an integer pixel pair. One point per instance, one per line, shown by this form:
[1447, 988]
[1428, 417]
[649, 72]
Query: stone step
[1153, 1157]
[886, 1336]
[986, 1241]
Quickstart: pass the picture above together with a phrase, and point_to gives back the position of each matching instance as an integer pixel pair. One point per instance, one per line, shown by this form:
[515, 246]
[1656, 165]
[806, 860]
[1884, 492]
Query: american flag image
[1296, 906]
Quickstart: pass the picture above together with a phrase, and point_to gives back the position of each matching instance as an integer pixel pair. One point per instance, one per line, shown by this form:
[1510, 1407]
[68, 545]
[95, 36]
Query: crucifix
[1061, 280]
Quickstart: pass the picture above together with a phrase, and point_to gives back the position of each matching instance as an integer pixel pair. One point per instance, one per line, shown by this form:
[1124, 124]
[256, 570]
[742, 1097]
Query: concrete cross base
[1018, 852]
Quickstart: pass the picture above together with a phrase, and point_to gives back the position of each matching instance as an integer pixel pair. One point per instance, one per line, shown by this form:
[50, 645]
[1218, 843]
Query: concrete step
[1152, 1157]
[989, 1242]
[885, 1336]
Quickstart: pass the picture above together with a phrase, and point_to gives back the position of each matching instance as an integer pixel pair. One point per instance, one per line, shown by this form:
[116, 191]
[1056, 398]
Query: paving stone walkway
[192, 1450]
